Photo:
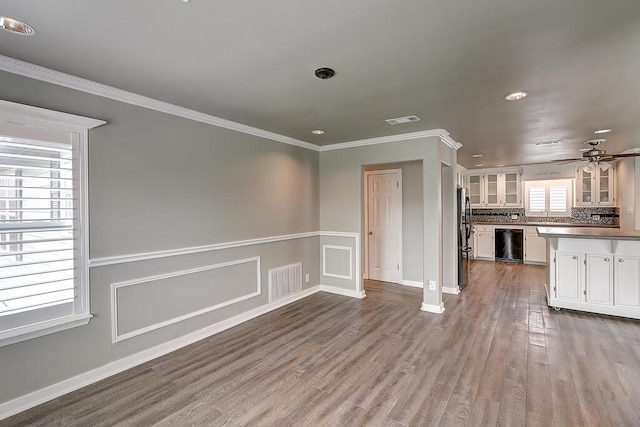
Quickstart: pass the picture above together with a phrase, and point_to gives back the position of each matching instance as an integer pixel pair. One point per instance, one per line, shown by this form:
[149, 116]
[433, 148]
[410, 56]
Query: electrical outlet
[306, 278]
[432, 285]
[595, 217]
[514, 216]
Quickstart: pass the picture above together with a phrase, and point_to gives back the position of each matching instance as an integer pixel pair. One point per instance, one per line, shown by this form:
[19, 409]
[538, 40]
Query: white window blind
[557, 199]
[43, 238]
[548, 198]
[36, 229]
[537, 198]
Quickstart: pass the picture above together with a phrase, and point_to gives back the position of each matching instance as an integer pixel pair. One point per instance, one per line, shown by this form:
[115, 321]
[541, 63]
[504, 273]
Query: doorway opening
[383, 225]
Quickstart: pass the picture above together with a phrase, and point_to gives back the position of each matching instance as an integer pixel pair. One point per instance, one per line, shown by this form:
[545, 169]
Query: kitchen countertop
[545, 224]
[589, 233]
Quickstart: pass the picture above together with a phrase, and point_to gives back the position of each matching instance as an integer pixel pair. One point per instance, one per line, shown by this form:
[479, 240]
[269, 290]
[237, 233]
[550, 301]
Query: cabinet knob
[575, 257]
[606, 260]
[621, 260]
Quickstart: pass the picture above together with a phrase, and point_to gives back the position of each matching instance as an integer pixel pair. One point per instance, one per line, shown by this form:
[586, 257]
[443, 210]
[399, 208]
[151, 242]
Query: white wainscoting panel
[349, 255]
[116, 336]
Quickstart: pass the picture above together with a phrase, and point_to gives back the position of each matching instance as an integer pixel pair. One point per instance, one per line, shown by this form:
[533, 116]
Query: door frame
[365, 210]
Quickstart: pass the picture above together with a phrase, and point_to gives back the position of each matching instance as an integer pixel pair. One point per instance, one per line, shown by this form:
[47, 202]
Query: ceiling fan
[598, 158]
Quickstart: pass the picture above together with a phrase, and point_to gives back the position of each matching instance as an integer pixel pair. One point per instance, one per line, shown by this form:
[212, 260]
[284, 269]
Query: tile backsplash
[579, 215]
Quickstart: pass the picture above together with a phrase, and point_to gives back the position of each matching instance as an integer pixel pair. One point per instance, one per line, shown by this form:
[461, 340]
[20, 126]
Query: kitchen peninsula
[593, 269]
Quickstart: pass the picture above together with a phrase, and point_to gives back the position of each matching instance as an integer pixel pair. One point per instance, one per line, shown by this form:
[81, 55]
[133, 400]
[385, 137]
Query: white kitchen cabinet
[484, 238]
[599, 279]
[626, 274]
[568, 277]
[535, 247]
[474, 183]
[595, 188]
[503, 188]
[594, 275]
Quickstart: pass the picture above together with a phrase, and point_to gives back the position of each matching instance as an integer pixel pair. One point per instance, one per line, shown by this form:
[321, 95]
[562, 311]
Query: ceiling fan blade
[567, 160]
[624, 155]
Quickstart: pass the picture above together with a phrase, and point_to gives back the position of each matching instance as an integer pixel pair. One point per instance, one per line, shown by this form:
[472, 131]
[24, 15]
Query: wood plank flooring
[497, 356]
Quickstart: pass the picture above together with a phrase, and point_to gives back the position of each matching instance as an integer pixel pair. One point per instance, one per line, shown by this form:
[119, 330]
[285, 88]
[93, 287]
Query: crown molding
[37, 72]
[440, 133]
[450, 142]
[26, 69]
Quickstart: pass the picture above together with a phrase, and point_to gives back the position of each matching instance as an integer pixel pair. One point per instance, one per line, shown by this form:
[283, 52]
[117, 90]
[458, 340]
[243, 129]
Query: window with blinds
[548, 198]
[43, 241]
[36, 229]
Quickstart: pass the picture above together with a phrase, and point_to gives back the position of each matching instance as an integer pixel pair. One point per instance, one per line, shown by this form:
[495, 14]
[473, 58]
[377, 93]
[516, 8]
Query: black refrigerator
[464, 236]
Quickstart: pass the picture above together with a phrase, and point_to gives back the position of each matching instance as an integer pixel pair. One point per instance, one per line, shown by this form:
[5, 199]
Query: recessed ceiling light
[475, 156]
[515, 96]
[317, 132]
[15, 26]
[602, 131]
[480, 165]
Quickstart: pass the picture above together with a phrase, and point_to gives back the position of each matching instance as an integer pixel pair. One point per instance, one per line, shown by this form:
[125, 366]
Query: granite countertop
[589, 233]
[545, 224]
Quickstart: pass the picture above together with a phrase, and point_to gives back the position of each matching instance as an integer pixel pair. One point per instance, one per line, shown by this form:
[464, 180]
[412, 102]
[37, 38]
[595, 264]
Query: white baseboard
[35, 398]
[412, 283]
[433, 308]
[342, 291]
[452, 290]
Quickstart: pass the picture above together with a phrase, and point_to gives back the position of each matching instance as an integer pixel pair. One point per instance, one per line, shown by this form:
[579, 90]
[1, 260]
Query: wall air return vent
[285, 281]
[400, 120]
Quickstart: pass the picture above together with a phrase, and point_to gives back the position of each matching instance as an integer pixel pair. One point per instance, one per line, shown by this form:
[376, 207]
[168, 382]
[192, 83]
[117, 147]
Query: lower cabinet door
[568, 277]
[485, 247]
[599, 279]
[626, 282]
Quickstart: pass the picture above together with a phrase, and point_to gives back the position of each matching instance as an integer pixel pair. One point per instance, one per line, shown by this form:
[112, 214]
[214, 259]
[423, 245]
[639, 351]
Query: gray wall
[341, 194]
[159, 182]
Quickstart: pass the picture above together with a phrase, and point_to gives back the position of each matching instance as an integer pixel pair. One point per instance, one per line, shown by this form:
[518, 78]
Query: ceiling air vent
[399, 120]
[550, 142]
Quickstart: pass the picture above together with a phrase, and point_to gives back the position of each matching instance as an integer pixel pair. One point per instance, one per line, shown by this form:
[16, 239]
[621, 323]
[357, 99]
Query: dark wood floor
[497, 356]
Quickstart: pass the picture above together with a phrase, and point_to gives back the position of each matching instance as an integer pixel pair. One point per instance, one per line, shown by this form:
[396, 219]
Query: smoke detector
[324, 73]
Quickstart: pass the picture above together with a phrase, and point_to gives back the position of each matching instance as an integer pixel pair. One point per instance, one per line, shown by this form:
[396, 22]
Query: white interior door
[384, 222]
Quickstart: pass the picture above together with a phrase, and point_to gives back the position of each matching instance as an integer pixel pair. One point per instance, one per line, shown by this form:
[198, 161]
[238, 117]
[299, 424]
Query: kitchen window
[44, 281]
[548, 198]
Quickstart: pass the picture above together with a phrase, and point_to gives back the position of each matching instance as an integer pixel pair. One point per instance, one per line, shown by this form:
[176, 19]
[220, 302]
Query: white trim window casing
[44, 280]
[550, 198]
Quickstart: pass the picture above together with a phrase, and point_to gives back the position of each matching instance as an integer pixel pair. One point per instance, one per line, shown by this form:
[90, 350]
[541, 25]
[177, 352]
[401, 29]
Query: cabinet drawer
[481, 228]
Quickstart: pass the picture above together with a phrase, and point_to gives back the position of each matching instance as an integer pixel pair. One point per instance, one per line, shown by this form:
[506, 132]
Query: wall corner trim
[412, 283]
[450, 290]
[438, 309]
[341, 291]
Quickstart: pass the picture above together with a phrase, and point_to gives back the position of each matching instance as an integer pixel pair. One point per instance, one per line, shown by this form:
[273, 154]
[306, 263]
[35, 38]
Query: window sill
[33, 331]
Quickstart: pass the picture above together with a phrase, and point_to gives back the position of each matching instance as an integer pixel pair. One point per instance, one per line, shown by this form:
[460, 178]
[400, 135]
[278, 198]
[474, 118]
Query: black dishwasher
[509, 245]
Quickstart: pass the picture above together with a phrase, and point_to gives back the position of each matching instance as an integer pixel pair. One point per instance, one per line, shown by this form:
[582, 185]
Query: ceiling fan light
[604, 166]
[588, 167]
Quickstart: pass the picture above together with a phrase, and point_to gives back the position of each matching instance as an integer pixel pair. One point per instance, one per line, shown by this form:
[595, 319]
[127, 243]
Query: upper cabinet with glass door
[474, 183]
[595, 187]
[503, 188]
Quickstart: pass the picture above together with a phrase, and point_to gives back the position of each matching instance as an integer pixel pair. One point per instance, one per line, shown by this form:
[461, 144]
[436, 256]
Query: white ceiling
[450, 62]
